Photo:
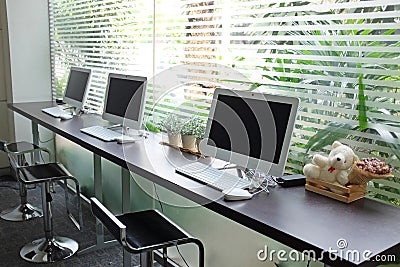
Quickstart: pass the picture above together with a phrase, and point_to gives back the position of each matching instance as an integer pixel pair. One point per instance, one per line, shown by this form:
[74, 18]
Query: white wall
[28, 27]
[4, 131]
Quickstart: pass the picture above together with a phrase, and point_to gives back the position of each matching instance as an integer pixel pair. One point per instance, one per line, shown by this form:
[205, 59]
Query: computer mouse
[236, 194]
[66, 116]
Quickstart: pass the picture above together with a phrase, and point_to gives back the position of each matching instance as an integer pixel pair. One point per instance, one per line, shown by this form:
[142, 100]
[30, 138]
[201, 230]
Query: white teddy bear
[332, 168]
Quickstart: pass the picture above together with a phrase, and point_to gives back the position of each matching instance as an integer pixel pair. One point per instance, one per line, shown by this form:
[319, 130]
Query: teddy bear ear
[336, 144]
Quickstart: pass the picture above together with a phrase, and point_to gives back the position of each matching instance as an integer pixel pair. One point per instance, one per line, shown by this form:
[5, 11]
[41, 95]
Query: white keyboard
[55, 111]
[102, 133]
[215, 178]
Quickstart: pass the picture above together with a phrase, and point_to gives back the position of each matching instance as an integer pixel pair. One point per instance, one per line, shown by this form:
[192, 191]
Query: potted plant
[199, 131]
[172, 125]
[187, 133]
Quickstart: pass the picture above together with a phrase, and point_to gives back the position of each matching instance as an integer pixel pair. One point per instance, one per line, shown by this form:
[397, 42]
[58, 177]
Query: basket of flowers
[368, 169]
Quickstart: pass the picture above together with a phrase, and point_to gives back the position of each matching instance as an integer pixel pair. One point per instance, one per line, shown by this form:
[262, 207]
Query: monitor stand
[127, 131]
[239, 169]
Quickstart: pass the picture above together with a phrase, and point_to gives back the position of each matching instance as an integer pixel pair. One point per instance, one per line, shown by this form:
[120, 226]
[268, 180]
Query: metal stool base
[21, 213]
[46, 251]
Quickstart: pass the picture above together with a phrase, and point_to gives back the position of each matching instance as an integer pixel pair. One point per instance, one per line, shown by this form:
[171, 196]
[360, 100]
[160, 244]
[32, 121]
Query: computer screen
[252, 130]
[124, 101]
[75, 92]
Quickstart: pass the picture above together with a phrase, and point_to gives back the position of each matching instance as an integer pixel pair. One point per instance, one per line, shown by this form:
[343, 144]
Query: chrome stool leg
[24, 211]
[147, 259]
[50, 248]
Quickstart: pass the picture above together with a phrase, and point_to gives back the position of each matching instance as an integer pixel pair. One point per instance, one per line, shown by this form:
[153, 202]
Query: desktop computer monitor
[75, 92]
[124, 100]
[252, 130]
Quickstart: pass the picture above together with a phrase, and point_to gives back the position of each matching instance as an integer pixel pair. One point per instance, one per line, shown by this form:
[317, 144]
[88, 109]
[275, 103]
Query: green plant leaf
[328, 135]
[362, 109]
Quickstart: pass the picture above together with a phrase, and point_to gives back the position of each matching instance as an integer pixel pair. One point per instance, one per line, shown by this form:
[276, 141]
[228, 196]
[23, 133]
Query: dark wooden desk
[297, 218]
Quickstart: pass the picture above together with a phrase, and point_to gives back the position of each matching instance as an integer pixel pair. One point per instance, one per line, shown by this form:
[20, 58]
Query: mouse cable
[158, 197]
[162, 210]
[264, 189]
[180, 254]
[45, 141]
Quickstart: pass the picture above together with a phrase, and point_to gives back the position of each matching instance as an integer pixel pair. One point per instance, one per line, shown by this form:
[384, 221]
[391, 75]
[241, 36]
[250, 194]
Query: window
[105, 36]
[341, 58]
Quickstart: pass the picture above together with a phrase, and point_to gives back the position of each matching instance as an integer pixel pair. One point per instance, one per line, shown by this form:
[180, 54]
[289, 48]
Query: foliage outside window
[341, 58]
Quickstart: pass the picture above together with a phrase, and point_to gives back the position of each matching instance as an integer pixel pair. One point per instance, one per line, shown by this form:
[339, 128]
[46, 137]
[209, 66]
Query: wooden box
[194, 152]
[345, 194]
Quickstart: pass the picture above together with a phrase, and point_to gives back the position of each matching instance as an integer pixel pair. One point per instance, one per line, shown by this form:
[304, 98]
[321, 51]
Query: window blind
[327, 53]
[105, 36]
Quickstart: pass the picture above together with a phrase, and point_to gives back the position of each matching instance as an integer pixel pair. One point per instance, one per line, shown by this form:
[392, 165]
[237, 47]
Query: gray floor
[13, 235]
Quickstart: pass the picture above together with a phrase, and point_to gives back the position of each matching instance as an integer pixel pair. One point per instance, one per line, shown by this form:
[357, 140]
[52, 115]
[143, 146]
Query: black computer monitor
[76, 90]
[252, 130]
[124, 100]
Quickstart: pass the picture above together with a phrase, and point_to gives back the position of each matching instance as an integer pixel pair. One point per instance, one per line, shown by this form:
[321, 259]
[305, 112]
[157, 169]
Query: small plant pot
[189, 142]
[174, 139]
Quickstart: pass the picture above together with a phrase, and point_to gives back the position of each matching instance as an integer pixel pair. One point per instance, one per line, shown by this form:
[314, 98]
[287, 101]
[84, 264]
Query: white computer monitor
[124, 100]
[252, 130]
[76, 90]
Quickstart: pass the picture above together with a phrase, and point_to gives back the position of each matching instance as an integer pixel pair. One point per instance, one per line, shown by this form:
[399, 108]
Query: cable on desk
[177, 248]
[258, 190]
[158, 197]
[41, 156]
[260, 178]
[46, 141]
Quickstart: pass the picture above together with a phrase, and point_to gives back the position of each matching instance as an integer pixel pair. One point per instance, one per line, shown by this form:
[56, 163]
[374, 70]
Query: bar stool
[144, 231]
[51, 248]
[24, 211]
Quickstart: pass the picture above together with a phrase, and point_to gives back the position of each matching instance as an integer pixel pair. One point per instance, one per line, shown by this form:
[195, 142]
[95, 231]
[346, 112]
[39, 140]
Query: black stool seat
[21, 147]
[149, 230]
[41, 173]
[144, 231]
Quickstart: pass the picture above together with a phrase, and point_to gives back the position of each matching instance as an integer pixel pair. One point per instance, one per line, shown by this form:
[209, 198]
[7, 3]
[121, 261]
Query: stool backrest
[115, 226]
